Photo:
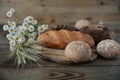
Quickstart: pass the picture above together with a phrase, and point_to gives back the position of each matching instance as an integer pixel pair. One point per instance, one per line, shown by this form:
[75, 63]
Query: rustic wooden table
[100, 69]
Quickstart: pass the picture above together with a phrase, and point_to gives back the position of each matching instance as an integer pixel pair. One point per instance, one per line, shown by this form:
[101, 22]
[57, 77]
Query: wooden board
[62, 73]
[100, 69]
[62, 11]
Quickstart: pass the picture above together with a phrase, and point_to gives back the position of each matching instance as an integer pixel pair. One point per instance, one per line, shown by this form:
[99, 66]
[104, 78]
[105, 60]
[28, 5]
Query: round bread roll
[81, 23]
[108, 49]
[78, 51]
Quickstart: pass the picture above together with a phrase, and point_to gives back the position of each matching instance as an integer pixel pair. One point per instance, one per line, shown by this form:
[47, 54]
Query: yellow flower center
[25, 24]
[16, 38]
[21, 33]
[13, 24]
[9, 14]
[11, 30]
[31, 28]
[30, 19]
[41, 28]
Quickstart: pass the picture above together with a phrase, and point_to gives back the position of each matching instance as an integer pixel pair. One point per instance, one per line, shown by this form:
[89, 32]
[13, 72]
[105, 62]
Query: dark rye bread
[98, 33]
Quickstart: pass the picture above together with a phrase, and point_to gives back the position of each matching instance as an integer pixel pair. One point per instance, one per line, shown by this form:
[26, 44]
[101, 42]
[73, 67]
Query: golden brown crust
[60, 39]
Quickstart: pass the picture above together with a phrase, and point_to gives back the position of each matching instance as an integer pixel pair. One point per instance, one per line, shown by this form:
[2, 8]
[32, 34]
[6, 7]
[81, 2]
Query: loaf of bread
[61, 38]
[98, 32]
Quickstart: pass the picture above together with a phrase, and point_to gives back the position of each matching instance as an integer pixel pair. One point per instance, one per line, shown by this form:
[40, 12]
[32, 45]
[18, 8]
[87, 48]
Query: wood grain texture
[61, 73]
[62, 11]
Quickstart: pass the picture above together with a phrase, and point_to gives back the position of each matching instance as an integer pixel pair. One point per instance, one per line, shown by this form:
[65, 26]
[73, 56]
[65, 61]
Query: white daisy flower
[9, 22]
[15, 30]
[5, 27]
[22, 28]
[45, 25]
[13, 24]
[16, 37]
[11, 30]
[34, 22]
[9, 14]
[31, 28]
[12, 10]
[9, 36]
[12, 43]
[21, 40]
[25, 24]
[30, 40]
[29, 19]
[41, 29]
[21, 33]
[33, 35]
[25, 20]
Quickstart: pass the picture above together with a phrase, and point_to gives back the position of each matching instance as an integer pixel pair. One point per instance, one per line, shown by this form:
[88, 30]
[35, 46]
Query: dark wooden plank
[61, 73]
[63, 11]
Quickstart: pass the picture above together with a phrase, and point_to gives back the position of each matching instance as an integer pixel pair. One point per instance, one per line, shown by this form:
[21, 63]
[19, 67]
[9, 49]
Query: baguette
[61, 38]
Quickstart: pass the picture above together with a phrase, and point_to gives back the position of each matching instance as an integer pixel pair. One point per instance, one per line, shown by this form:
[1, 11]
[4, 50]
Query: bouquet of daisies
[22, 39]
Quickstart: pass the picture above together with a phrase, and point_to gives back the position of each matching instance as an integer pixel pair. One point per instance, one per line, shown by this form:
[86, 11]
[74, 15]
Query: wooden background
[62, 11]
[100, 69]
